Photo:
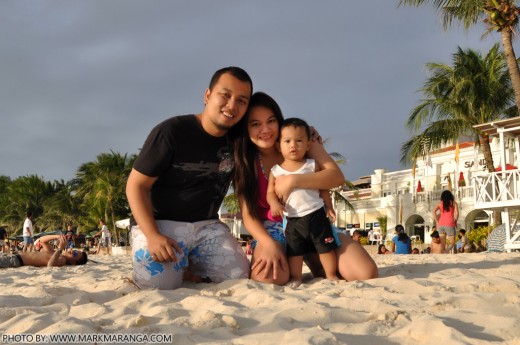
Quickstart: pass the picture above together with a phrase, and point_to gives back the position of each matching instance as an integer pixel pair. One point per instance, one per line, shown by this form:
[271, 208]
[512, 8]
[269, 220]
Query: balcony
[497, 190]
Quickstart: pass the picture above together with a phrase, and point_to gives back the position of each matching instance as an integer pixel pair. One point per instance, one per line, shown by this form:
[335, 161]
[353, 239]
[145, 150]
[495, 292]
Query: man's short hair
[83, 260]
[236, 72]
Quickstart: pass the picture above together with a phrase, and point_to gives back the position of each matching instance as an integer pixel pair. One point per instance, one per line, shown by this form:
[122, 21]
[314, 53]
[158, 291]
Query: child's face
[294, 143]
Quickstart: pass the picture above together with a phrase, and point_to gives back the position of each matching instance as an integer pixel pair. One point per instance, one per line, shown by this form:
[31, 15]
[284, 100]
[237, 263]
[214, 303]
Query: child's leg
[295, 267]
[328, 261]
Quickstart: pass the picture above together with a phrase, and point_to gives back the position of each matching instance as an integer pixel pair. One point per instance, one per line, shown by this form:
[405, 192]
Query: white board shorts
[208, 248]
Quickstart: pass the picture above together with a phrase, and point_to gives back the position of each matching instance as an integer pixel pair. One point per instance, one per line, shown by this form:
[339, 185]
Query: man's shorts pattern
[105, 242]
[208, 248]
[28, 240]
[10, 261]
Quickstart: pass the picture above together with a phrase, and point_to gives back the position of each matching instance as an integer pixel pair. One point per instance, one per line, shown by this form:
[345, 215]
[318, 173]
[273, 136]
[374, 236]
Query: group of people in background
[445, 214]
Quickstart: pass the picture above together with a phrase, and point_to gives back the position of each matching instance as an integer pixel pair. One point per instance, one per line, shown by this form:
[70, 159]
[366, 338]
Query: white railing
[497, 189]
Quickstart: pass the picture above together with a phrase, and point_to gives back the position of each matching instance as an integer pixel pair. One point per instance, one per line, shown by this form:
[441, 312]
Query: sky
[81, 78]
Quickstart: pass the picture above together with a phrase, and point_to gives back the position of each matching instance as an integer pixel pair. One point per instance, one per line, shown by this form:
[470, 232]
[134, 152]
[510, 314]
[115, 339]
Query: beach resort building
[408, 197]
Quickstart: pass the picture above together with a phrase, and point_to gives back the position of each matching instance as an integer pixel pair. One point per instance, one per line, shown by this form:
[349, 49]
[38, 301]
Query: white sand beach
[418, 299]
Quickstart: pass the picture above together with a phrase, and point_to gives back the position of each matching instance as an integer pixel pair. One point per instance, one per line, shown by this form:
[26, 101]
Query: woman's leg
[442, 236]
[354, 262]
[259, 276]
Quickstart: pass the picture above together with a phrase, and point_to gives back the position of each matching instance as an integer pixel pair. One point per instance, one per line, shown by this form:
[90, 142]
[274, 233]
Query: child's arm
[276, 208]
[329, 209]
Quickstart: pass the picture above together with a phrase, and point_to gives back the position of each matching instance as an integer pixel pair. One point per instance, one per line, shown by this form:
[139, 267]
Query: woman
[255, 155]
[446, 214]
[401, 241]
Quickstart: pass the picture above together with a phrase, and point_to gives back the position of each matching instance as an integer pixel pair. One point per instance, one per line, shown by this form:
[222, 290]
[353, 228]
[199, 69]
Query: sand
[418, 299]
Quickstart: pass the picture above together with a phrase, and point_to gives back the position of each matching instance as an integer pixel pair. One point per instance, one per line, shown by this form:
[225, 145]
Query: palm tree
[499, 15]
[475, 90]
[62, 207]
[26, 193]
[101, 186]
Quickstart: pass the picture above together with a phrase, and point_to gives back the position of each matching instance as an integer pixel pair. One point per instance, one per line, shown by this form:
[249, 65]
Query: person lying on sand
[47, 256]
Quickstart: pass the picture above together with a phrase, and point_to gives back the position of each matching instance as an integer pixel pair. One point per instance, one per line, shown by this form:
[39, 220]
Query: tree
[475, 90]
[101, 187]
[498, 15]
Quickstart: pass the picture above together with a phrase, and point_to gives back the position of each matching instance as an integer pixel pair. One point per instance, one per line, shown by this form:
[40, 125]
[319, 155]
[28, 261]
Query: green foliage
[476, 235]
[98, 191]
[363, 241]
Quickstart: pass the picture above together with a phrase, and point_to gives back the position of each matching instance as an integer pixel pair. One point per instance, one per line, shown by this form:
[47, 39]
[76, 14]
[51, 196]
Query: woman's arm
[329, 176]
[276, 207]
[455, 211]
[435, 214]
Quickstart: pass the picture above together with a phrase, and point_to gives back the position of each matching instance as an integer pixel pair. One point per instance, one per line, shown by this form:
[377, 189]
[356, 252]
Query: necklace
[262, 166]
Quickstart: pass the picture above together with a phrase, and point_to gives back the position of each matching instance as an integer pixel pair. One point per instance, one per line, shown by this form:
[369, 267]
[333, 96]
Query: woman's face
[262, 127]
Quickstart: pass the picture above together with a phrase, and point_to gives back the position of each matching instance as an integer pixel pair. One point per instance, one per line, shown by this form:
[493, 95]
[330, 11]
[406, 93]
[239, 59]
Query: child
[436, 243]
[308, 228]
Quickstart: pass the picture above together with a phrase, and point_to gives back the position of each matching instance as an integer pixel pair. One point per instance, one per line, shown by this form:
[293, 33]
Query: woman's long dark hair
[403, 237]
[447, 200]
[245, 179]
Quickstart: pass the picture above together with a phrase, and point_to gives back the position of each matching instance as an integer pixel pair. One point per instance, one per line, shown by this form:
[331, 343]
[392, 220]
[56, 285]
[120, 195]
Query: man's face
[226, 103]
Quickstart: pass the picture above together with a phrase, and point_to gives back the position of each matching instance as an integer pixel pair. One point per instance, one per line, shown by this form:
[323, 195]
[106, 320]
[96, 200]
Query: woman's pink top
[447, 217]
[264, 210]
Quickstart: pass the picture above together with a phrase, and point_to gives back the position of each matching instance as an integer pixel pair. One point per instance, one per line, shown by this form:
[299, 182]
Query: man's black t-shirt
[193, 169]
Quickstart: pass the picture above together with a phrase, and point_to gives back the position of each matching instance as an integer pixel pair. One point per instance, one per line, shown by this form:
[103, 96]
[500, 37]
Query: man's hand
[162, 248]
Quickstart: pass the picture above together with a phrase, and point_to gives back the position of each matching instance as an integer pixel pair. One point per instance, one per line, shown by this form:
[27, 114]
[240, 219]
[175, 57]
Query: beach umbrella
[419, 187]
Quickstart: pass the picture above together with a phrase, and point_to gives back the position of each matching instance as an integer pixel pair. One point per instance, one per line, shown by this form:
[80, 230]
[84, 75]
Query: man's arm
[54, 261]
[138, 189]
[44, 241]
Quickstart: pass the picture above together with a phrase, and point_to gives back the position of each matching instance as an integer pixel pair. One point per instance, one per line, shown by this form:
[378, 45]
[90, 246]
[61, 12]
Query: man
[106, 237]
[28, 229]
[177, 185]
[47, 256]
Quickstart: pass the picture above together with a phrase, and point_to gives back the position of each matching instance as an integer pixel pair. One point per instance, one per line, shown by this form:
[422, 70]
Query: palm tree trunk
[514, 71]
[488, 157]
[486, 150]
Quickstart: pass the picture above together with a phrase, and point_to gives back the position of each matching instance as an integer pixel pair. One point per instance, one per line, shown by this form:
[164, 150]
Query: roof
[510, 126]
[463, 145]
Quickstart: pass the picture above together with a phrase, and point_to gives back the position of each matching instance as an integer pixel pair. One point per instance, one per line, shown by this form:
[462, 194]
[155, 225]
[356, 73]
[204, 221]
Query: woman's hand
[270, 258]
[283, 187]
[162, 248]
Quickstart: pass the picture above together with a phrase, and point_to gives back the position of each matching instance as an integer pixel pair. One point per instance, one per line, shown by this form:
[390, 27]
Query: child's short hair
[296, 122]
[435, 234]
